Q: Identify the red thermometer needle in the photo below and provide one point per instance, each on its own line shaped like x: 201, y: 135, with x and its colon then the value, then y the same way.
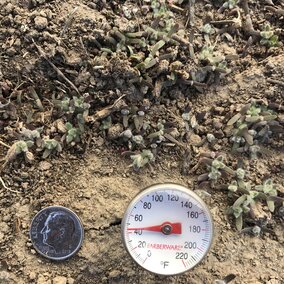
x: 166, y: 228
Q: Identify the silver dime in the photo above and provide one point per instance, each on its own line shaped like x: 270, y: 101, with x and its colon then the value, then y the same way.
x: 56, y: 232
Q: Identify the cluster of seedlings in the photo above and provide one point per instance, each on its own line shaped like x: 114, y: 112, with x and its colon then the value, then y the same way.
x: 136, y: 133
x: 249, y: 130
x: 66, y: 130
x: 251, y: 203
x: 164, y: 54
x: 252, y: 127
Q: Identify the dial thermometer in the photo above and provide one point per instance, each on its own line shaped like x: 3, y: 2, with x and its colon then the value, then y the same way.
x: 167, y: 229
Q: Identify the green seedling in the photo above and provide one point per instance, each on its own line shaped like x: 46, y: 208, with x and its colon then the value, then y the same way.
x: 106, y: 123
x: 77, y: 110
x: 75, y: 105
x: 186, y: 118
x: 248, y: 198
x: 268, y: 38
x: 138, y: 140
x: 208, y: 29
x: 19, y: 147
x: 73, y: 134
x: 230, y: 4
x: 216, y: 60
x: 255, y: 230
x: 50, y: 146
x: 217, y: 168
x: 158, y: 136
x: 22, y: 146
x: 31, y: 134
x: 239, y: 185
x: 243, y: 205
x: 126, y: 135
x: 269, y: 189
x: 141, y: 159
x: 80, y: 106
x: 139, y: 120
x: 64, y: 104
x: 160, y: 11
x: 190, y: 122
x: 253, y: 111
x: 157, y: 46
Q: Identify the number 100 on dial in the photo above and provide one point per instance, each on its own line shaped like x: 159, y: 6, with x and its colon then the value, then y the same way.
x: 167, y: 229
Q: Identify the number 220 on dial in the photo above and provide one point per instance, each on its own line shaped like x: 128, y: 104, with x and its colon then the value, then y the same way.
x: 167, y: 229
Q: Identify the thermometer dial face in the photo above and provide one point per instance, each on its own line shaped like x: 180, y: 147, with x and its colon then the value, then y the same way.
x: 167, y: 229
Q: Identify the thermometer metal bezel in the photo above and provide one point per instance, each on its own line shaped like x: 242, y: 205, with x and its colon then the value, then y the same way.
x: 163, y: 187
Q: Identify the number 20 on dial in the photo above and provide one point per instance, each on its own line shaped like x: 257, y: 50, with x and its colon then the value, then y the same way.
x: 167, y: 229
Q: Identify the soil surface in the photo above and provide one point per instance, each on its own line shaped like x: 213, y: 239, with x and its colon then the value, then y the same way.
x: 50, y: 50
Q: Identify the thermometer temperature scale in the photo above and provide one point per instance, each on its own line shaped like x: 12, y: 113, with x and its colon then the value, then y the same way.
x: 167, y: 229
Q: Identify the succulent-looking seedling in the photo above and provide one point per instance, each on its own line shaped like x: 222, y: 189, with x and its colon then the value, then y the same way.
x: 141, y: 159
x: 126, y: 134
x: 138, y: 139
x: 217, y: 167
x: 73, y: 133
x: 18, y: 148
x: 216, y: 60
x: 208, y: 29
x: 141, y: 116
x: 269, y: 190
x: 158, y: 135
x: 50, y: 146
x: 268, y: 38
x: 230, y: 4
x: 106, y: 123
x: 31, y: 134
x: 248, y: 198
x: 255, y: 230
x: 161, y: 11
x: 74, y: 106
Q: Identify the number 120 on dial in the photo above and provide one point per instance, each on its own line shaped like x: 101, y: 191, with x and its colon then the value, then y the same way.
x: 167, y: 229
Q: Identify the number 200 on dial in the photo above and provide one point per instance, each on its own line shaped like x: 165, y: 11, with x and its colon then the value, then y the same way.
x: 167, y: 229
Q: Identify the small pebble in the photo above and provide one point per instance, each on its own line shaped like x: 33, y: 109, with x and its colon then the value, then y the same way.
x: 44, y: 165
x: 195, y: 139
x: 59, y: 280
x: 70, y: 280
x: 114, y: 273
x: 32, y: 275
x: 40, y: 22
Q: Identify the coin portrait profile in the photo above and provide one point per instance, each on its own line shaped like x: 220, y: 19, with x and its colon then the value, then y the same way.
x: 58, y: 230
